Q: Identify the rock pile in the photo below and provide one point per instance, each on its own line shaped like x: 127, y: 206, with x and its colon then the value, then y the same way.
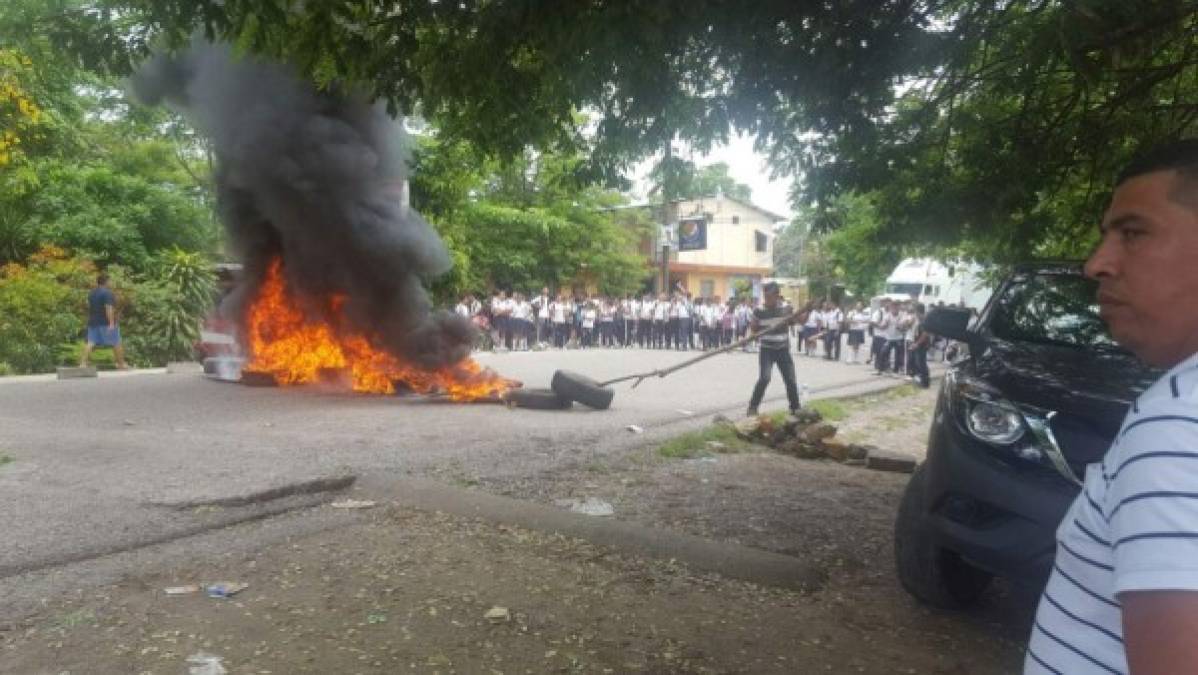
x: 808, y: 436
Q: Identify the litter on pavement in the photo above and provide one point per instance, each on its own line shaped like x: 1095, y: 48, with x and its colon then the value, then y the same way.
x: 202, y: 663
x: 225, y: 589
x: 592, y: 507
x: 353, y: 504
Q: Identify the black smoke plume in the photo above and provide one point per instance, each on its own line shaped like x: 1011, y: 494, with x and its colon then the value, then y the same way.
x: 317, y: 178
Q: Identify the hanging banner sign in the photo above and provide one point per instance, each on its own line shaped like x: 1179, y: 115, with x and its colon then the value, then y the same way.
x: 692, y: 234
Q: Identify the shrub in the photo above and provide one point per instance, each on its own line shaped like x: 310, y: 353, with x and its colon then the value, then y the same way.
x: 41, y: 306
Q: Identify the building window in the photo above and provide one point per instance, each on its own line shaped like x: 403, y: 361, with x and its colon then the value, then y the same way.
x: 762, y: 241
x: 707, y: 288
x: 736, y: 220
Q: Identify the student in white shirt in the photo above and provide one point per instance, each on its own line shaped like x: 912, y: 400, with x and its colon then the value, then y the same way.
x: 833, y: 318
x: 560, y: 312
x: 810, y: 330
x: 1123, y: 595
x: 661, y: 314
x: 588, y: 324
x: 858, y: 323
x: 644, y: 324
x: 892, y: 336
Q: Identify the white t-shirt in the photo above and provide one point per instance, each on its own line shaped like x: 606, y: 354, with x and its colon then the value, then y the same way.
x: 661, y: 311
x: 648, y: 309
x: 815, y: 319
x: 588, y: 318
x: 1134, y: 527
x: 559, y: 310
x: 684, y: 309
x: 832, y: 319
x: 858, y: 320
x: 521, y: 310
x: 462, y: 310
x: 891, y: 329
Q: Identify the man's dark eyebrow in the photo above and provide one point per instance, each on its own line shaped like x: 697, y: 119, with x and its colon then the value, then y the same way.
x: 1119, y: 222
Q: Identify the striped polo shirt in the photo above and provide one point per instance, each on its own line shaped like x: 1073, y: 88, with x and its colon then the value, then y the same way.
x: 772, y: 318
x: 1134, y: 527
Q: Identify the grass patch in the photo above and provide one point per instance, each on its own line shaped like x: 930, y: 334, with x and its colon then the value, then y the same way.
x: 5, y: 459
x: 694, y: 443
x: 831, y: 409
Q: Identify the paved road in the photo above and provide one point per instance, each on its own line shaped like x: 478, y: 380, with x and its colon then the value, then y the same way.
x: 103, y: 465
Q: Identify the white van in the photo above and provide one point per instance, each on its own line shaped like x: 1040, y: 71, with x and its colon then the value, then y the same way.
x: 933, y: 282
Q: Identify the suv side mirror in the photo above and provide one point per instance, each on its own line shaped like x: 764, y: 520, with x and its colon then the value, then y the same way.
x: 949, y: 322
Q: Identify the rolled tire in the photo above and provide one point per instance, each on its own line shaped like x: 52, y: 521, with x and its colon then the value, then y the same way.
x: 931, y: 573
x: 537, y: 399
x: 580, y: 388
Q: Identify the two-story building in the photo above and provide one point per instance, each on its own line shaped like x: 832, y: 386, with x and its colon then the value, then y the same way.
x: 717, y: 244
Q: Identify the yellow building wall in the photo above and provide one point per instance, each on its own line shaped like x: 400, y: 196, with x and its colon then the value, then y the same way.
x: 728, y: 243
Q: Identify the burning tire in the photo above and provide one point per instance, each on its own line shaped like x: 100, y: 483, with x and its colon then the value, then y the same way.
x: 577, y: 387
x: 538, y: 399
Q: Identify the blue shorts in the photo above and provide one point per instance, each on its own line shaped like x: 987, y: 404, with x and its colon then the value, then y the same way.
x: 103, y: 336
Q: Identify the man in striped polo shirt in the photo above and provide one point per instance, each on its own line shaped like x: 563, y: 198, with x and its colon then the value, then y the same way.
x: 776, y: 317
x: 1123, y: 596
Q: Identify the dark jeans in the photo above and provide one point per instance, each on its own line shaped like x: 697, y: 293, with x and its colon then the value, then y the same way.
x: 766, y: 359
x: 561, y: 334
x: 832, y: 345
x: 685, y: 334
x: 876, y: 345
x: 644, y: 333
x: 919, y: 366
x: 896, y: 347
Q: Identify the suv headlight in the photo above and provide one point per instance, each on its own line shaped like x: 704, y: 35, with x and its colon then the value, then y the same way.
x: 994, y: 423
x: 983, y: 412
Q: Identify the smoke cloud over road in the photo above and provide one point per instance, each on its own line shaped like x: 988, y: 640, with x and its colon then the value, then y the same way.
x: 317, y: 178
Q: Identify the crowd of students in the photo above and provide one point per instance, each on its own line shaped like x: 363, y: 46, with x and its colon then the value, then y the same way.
x: 518, y: 322
x: 894, y: 331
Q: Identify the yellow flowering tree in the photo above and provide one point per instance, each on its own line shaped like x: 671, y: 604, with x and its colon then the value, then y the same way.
x: 20, y: 115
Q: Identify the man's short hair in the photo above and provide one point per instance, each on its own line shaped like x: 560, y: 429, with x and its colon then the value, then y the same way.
x: 770, y: 287
x: 101, y: 279
x: 1180, y: 156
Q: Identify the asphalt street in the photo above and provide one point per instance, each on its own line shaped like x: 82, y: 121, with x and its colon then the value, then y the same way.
x: 107, y: 465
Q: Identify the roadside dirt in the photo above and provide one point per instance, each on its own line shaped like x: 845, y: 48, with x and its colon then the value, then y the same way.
x: 395, y: 590
x: 838, y: 517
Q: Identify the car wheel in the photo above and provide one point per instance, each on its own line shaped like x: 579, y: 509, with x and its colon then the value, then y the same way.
x: 934, y: 575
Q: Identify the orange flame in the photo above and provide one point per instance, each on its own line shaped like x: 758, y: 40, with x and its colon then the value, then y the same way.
x: 295, y: 350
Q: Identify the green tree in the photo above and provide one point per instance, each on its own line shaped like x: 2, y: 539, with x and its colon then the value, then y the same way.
x: 989, y: 126
x: 525, y: 223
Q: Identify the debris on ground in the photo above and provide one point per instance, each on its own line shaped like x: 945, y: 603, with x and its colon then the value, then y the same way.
x: 590, y: 506
x: 225, y: 589
x: 202, y: 663
x: 354, y: 504
x: 635, y: 429
x: 498, y: 615
x: 888, y: 460
x: 182, y: 590
x: 807, y: 435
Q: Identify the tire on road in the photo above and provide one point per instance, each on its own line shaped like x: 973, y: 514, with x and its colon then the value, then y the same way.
x: 538, y: 399
x: 932, y: 574
x: 580, y: 388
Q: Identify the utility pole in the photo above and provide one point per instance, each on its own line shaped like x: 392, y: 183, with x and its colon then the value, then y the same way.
x: 665, y: 211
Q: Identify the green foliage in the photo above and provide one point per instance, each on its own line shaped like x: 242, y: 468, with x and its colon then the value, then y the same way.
x: 681, y: 179
x: 162, y: 322
x: 984, y: 127
x: 524, y: 224
x: 41, y: 306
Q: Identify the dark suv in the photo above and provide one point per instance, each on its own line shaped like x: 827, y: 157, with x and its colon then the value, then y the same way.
x: 1040, y: 395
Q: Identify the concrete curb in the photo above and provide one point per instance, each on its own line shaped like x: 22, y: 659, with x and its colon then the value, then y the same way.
x: 730, y: 560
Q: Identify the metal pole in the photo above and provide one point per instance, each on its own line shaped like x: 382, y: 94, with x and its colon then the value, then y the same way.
x: 665, y: 267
